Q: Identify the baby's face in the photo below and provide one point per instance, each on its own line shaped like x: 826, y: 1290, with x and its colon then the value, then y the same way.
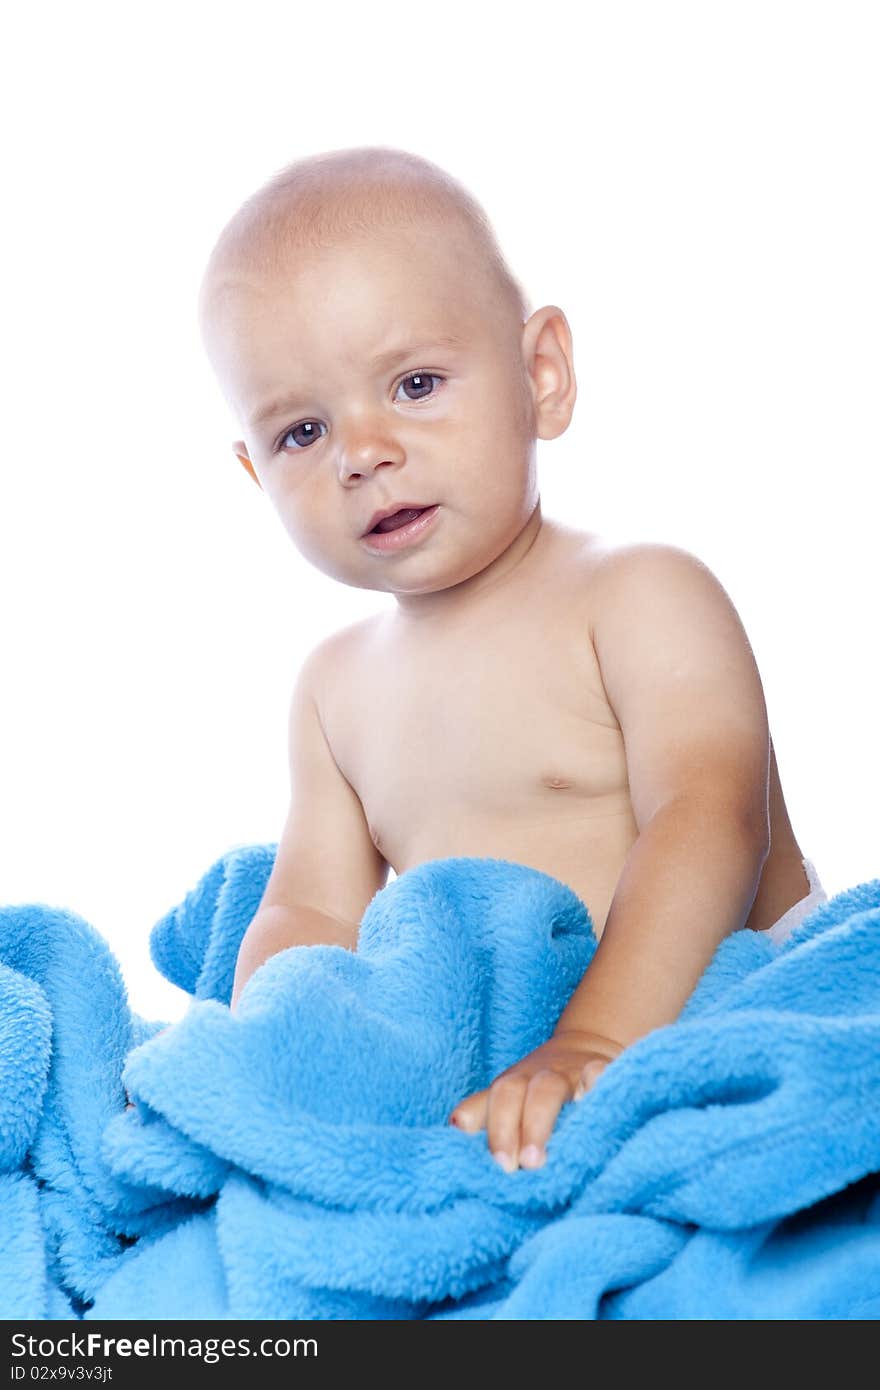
x: 376, y: 374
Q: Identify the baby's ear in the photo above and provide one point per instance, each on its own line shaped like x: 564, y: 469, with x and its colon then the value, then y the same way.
x: 547, y: 350
x: 241, y: 453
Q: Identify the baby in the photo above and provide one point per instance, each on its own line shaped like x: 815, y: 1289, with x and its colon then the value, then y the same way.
x: 537, y: 693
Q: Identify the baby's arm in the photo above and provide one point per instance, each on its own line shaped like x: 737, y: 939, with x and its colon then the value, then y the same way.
x: 681, y: 678
x: 327, y: 868
x: 679, y: 673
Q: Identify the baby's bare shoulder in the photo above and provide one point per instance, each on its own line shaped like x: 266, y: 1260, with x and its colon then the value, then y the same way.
x: 621, y: 567
x: 645, y: 592
x: 604, y: 567
x: 681, y: 678
x: 606, y: 552
x: 659, y: 609
x: 344, y: 640
x: 331, y: 658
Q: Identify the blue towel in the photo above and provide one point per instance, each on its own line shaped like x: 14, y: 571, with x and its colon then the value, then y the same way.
x: 294, y: 1160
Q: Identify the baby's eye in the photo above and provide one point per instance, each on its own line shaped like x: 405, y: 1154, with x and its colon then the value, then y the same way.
x: 420, y: 381
x: 308, y: 431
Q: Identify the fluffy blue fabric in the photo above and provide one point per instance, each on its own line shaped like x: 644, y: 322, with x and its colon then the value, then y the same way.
x: 294, y: 1160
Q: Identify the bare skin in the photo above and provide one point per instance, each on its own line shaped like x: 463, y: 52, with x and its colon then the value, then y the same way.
x: 497, y: 756
x: 537, y: 694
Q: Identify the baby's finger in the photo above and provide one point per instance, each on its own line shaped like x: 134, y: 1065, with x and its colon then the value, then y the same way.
x: 548, y: 1091
x: 506, y: 1096
x: 470, y: 1113
x: 589, y: 1076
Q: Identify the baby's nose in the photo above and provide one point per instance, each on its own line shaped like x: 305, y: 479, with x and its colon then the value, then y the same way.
x: 363, y: 455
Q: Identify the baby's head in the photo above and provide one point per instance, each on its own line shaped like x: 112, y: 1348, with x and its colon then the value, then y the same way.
x: 378, y: 353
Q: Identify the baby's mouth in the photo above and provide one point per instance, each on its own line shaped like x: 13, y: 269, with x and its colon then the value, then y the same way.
x: 392, y: 523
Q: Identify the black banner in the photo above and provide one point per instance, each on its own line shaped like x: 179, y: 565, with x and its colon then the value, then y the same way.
x: 257, y: 1353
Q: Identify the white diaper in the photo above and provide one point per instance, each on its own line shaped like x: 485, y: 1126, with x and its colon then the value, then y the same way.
x: 790, y: 919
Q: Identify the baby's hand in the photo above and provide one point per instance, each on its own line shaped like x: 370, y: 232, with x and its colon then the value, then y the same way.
x: 520, y: 1108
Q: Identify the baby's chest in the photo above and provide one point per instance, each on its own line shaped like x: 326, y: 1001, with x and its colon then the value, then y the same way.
x: 492, y: 728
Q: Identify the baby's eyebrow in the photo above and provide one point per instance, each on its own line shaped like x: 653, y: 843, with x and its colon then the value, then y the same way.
x: 382, y: 361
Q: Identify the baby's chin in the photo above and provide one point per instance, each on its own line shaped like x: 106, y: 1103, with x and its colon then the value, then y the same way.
x: 442, y: 559
x: 397, y: 575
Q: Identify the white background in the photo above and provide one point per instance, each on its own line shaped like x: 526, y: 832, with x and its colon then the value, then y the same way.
x: 694, y: 183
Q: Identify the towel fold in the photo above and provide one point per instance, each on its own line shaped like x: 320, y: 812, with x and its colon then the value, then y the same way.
x: 294, y: 1160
